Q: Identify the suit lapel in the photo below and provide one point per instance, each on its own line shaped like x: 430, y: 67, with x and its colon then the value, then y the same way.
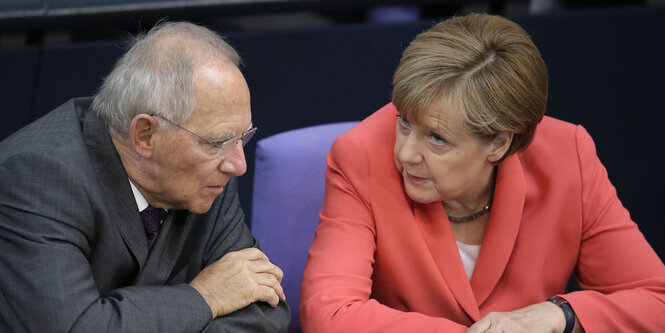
x: 501, y: 234
x: 440, y: 240
x: 497, y: 246
x: 120, y: 203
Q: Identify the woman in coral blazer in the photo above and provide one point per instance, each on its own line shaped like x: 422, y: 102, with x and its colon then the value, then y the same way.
x: 461, y: 205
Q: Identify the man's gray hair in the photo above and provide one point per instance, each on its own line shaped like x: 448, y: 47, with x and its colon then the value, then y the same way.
x: 156, y: 75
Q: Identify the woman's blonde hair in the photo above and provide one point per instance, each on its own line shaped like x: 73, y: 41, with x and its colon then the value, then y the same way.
x: 484, y: 66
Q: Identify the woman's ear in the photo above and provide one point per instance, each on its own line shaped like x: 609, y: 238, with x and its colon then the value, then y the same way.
x: 499, y: 146
x: 142, y: 132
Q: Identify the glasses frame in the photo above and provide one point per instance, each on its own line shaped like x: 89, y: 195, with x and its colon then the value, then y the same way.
x: 244, y: 137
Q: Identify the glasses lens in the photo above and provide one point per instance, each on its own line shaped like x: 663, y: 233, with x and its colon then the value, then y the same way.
x: 227, y: 147
x: 248, y: 135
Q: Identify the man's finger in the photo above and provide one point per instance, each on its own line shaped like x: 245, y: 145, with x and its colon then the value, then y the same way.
x: 266, y: 267
x: 252, y: 253
x: 268, y: 295
x: 271, y: 281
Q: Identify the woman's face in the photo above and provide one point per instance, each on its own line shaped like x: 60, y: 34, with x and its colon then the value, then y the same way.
x: 440, y: 159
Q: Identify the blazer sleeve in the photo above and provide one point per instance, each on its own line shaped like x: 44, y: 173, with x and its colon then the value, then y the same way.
x: 46, y: 282
x: 233, y: 235
x: 337, y: 281
x: 623, y: 278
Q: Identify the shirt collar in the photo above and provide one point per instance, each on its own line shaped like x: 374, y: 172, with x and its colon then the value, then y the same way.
x: 141, y: 202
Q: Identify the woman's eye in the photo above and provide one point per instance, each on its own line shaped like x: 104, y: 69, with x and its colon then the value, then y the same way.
x: 436, y: 139
x: 404, y: 123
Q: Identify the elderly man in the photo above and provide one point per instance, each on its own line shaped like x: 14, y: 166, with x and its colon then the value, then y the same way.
x: 121, y: 213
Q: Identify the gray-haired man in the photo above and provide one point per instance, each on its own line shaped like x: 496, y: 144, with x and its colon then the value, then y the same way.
x: 164, y: 136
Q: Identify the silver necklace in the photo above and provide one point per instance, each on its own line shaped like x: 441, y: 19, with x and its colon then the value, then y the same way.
x: 472, y: 216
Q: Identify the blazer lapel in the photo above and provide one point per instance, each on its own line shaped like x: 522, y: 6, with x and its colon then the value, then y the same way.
x: 440, y: 240
x: 167, y: 248
x: 119, y: 200
x: 501, y: 234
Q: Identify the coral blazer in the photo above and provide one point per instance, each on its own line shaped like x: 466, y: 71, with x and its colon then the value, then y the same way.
x: 383, y: 263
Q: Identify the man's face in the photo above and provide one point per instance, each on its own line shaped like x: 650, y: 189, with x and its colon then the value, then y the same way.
x: 187, y: 172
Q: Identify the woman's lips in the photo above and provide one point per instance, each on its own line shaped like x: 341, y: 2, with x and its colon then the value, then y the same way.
x: 415, y: 179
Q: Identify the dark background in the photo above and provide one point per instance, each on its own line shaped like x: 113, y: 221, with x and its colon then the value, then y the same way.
x: 314, y: 62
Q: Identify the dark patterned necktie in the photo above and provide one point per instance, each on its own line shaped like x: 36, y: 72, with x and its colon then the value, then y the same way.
x: 152, y: 218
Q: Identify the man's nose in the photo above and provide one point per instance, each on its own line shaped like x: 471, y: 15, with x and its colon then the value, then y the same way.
x: 233, y: 160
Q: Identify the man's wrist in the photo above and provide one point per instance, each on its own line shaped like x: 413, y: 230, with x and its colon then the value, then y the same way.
x: 208, y: 300
x: 567, y: 312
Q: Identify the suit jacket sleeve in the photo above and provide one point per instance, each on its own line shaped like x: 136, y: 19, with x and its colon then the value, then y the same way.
x: 337, y: 282
x: 624, y: 276
x: 233, y: 236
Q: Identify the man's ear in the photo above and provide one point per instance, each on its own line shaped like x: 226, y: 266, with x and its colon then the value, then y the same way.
x: 142, y: 132
x: 499, y: 146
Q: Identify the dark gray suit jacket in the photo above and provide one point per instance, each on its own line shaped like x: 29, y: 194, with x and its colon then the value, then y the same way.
x: 73, y: 253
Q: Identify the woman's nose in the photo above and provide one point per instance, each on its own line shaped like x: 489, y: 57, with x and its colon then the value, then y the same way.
x: 409, y: 151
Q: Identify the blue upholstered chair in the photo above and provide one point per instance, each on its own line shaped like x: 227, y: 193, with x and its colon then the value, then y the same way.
x: 289, y: 181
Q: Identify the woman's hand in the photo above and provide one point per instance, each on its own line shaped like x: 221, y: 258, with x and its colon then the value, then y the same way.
x: 540, y: 317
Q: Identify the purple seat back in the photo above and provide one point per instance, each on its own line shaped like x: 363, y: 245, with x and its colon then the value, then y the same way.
x: 289, y: 181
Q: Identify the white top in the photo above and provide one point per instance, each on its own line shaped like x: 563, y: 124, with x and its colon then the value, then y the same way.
x: 141, y: 202
x: 469, y: 254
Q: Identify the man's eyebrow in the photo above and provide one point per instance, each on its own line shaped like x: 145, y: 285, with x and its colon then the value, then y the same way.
x: 222, y: 137
x: 228, y: 135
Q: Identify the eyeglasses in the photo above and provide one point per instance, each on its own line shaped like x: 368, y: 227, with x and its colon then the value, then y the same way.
x: 221, y: 148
